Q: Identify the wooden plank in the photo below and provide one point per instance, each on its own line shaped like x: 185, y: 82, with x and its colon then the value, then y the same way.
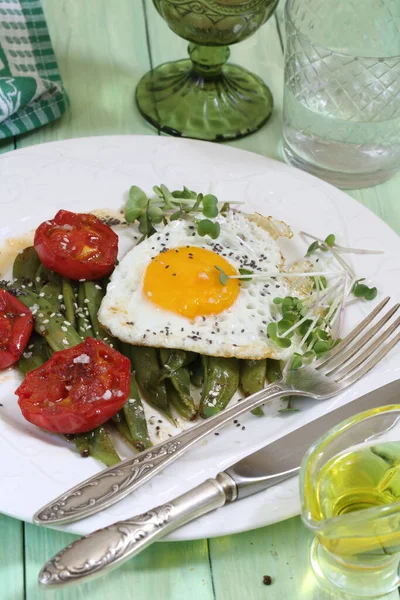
x: 383, y: 200
x: 261, y: 54
x: 102, y: 52
x: 239, y: 563
x: 165, y: 570
x: 11, y: 559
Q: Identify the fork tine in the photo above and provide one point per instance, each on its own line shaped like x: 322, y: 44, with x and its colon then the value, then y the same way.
x: 348, y: 368
x: 347, y: 381
x: 353, y: 334
x: 343, y: 357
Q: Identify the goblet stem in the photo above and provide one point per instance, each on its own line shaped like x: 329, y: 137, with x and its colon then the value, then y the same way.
x: 204, y: 97
x: 208, y: 60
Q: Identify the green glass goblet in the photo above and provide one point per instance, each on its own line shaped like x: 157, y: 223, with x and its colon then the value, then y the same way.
x: 203, y: 97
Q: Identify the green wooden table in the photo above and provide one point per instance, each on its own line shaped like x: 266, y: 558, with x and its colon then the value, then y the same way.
x: 103, y: 48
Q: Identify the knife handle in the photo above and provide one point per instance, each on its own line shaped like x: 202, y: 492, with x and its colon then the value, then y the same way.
x: 111, y: 485
x: 107, y: 548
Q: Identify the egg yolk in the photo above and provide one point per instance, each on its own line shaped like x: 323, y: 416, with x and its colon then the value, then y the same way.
x: 185, y: 281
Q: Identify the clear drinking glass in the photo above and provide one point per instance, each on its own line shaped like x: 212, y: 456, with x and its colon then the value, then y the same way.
x: 350, y: 488
x: 342, y: 89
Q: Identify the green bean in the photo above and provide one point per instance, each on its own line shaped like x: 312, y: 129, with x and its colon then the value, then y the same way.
x: 35, y: 355
x: 197, y: 372
x: 52, y: 293
x: 147, y: 370
x: 85, y: 328
x: 131, y: 420
x: 172, y: 360
x: 26, y: 265
x: 44, y: 275
x: 274, y: 370
x: 252, y: 379
x: 95, y: 294
x: 69, y: 300
x: 49, y: 323
x: 178, y: 389
x: 96, y: 443
x: 221, y: 380
x: 174, y: 368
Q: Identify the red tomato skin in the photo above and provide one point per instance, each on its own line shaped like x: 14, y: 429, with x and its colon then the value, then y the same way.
x: 58, y: 254
x: 45, y: 401
x: 15, y: 330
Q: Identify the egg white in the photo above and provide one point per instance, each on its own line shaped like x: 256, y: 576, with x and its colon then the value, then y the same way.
x: 239, y: 331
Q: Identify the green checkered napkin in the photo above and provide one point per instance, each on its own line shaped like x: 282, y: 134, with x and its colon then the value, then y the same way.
x: 31, y: 91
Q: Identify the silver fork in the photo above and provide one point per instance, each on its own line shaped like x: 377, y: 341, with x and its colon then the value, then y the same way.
x: 350, y: 360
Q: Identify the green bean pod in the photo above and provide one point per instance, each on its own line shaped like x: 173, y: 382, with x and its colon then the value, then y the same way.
x: 84, y: 325
x: 221, y: 380
x: 196, y: 371
x: 69, y: 300
x: 172, y: 360
x: 274, y: 370
x: 147, y: 370
x: 44, y: 275
x: 96, y: 443
x: 49, y: 323
x: 35, y: 355
x: 26, y: 265
x: 131, y: 420
x: 95, y: 294
x: 52, y: 293
x: 252, y: 379
x: 178, y: 389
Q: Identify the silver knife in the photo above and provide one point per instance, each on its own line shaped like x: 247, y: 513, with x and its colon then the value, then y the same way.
x: 108, y: 548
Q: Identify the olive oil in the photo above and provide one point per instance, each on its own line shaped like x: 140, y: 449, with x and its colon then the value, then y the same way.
x: 363, y: 477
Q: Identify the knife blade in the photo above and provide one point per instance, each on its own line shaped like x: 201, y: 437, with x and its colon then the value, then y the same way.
x: 281, y: 459
x: 108, y: 548
x: 114, y: 483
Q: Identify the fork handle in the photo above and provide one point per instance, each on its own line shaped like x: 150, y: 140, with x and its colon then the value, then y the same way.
x: 107, y: 548
x: 111, y: 485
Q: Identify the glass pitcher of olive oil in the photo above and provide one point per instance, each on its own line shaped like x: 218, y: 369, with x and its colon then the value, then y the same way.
x: 350, y: 487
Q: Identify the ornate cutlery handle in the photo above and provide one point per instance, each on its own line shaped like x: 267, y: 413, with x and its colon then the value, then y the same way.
x: 110, y: 485
x: 108, y: 548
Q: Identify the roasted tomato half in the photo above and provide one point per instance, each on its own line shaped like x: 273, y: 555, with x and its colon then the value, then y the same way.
x: 78, y: 246
x: 77, y: 389
x: 16, y: 324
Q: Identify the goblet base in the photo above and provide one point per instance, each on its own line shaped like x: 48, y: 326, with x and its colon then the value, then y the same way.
x: 180, y: 101
x: 378, y: 576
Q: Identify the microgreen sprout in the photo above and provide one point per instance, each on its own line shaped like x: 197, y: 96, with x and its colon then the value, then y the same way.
x: 319, y: 244
x: 207, y: 227
x: 210, y: 206
x: 175, y: 205
x: 299, y: 327
x: 247, y: 274
x: 329, y: 242
x: 360, y: 290
x: 223, y: 277
x: 225, y: 209
x: 320, y: 282
x: 281, y: 342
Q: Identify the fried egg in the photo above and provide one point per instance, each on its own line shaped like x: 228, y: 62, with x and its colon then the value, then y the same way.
x: 167, y: 291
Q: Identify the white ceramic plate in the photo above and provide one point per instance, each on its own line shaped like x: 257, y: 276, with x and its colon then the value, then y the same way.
x: 90, y: 173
